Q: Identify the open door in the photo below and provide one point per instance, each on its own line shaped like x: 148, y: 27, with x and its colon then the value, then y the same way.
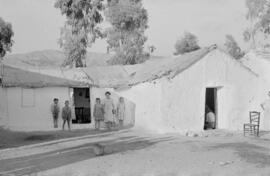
x: 210, y: 121
x: 82, y: 106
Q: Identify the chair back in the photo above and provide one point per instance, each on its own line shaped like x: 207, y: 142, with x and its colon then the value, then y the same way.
x: 254, y: 117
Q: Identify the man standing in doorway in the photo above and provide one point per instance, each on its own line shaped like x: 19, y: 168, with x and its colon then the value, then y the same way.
x: 55, y: 109
x: 210, y: 118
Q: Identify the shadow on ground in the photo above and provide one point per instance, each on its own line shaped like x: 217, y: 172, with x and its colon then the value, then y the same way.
x: 10, y: 139
x: 251, y: 153
x: 50, y: 160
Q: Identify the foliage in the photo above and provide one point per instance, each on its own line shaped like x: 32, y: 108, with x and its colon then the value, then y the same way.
x: 259, y: 17
x: 74, y: 47
x: 81, y: 27
x: 126, y: 37
x: 232, y: 47
x: 129, y: 54
x: 6, y: 34
x: 187, y: 43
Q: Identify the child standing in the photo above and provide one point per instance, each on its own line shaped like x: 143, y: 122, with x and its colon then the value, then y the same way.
x: 66, y: 114
x: 108, y: 110
x: 98, y: 113
x: 55, y: 109
x: 121, y: 110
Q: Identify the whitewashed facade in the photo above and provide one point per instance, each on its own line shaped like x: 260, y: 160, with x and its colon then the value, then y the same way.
x: 178, y: 104
x: 167, y: 96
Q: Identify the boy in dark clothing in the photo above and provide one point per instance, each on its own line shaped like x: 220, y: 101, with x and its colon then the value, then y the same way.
x: 66, y: 115
x: 98, y: 113
x: 55, y: 109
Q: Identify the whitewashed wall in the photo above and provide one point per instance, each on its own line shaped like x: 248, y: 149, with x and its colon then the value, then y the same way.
x: 261, y: 66
x: 32, y: 111
x: 3, y: 107
x: 239, y: 89
x: 146, y: 97
x: 178, y: 105
x: 36, y: 117
x: 175, y: 105
x: 183, y: 100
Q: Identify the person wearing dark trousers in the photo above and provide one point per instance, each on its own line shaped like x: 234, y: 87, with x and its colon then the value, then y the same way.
x: 66, y: 115
x: 98, y: 114
x: 55, y: 109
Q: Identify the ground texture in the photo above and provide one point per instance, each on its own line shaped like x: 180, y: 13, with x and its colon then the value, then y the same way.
x: 11, y: 139
x: 135, y: 153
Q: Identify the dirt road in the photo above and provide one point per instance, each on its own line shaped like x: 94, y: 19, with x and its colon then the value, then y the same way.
x: 134, y: 153
x: 49, y: 160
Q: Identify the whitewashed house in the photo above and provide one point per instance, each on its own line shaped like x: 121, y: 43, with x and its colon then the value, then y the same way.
x: 26, y: 96
x: 164, y: 95
x: 170, y: 95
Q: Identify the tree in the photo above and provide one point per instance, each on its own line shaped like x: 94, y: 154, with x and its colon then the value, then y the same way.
x: 259, y: 17
x: 126, y: 37
x: 6, y: 34
x: 187, y: 43
x: 80, y: 29
x: 232, y: 47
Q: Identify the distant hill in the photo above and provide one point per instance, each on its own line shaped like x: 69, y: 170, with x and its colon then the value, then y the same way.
x: 51, y: 58
x: 54, y: 58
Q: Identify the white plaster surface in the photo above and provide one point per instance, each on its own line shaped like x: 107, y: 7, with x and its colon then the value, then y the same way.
x: 177, y: 105
x: 37, y: 117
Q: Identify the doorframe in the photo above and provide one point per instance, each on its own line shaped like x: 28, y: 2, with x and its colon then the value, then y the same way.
x: 216, y: 107
x: 216, y: 101
x: 72, y: 99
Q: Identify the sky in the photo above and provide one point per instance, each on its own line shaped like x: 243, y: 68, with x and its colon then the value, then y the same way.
x: 36, y: 23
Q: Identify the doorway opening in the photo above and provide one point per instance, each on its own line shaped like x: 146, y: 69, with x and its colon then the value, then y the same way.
x: 82, y: 105
x: 210, y: 121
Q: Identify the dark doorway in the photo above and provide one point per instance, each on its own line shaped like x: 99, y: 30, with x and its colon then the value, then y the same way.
x: 210, y: 121
x: 82, y: 105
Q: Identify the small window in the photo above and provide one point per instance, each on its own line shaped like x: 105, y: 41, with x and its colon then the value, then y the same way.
x: 28, y: 97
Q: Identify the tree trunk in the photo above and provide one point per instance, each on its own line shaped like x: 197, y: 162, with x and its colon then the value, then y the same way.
x: 1, y: 70
x: 79, y: 63
x: 253, y: 44
x: 253, y: 32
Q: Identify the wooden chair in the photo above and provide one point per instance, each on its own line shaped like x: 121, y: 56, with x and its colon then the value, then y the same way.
x: 253, y: 126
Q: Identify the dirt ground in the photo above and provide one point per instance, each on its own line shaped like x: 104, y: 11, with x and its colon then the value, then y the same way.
x: 11, y: 139
x: 137, y: 153
x: 216, y: 153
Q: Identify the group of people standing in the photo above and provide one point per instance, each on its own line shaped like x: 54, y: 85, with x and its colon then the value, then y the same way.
x: 104, y: 111
x: 66, y: 113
